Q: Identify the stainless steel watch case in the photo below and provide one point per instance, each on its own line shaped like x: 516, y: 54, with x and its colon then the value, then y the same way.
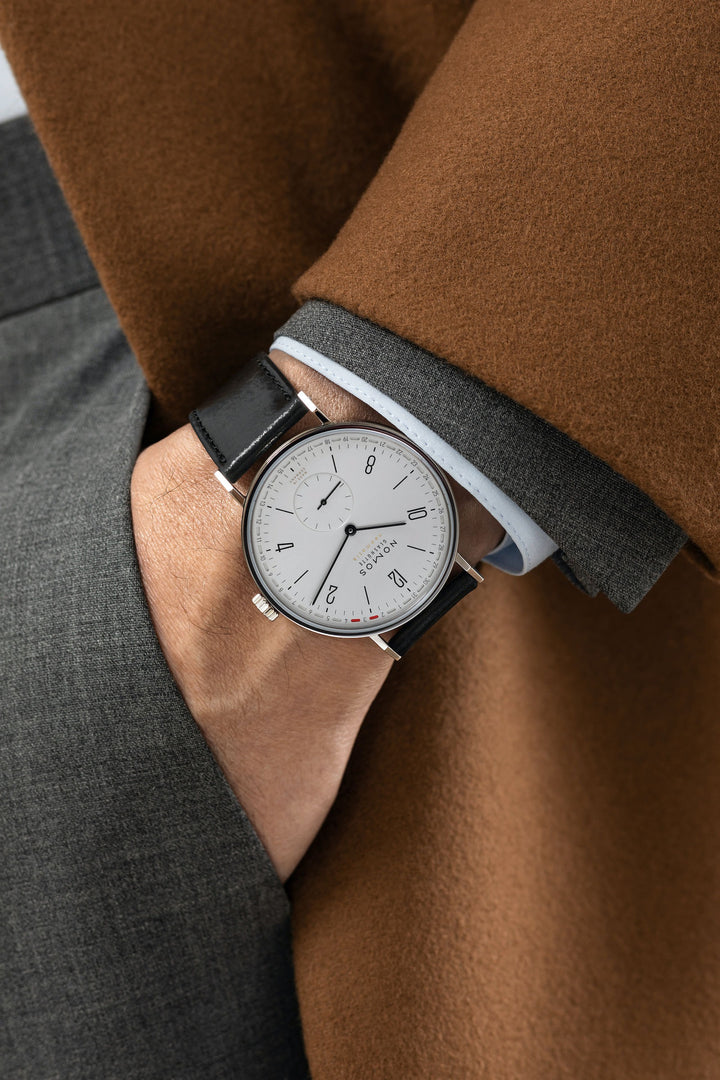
x: 272, y: 607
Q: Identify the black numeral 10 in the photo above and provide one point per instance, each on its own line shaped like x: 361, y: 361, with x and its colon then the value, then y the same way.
x: 418, y: 512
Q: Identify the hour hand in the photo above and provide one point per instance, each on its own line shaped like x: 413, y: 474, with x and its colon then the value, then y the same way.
x: 384, y: 525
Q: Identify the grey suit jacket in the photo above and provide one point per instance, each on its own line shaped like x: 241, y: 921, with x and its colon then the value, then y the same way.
x: 143, y: 930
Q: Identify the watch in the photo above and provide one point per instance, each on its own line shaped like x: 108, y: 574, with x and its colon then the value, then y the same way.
x: 348, y: 529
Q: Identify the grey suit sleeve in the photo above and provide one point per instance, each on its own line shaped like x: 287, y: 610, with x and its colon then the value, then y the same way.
x: 611, y: 536
x: 143, y: 930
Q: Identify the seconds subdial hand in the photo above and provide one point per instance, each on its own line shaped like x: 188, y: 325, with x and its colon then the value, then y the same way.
x: 324, y: 501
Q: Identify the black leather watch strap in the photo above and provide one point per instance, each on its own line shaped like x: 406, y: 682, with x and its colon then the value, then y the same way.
x: 452, y: 591
x: 246, y: 416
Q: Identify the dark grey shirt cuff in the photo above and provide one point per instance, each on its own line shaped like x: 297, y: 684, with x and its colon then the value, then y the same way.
x: 612, y: 538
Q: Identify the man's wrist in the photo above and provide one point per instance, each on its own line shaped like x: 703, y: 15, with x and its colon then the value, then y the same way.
x: 279, y: 707
x: 336, y: 402
x: 207, y: 519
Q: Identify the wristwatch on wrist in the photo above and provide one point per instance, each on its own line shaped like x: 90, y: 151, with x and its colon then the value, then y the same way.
x: 348, y: 529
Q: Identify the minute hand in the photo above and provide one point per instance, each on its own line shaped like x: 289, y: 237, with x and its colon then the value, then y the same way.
x: 347, y: 537
x: 386, y: 525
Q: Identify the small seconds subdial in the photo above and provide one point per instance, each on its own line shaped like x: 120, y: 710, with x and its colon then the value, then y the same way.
x: 323, y: 501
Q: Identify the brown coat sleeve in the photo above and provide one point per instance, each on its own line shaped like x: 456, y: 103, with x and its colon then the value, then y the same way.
x: 546, y: 217
x: 211, y: 152
x: 548, y: 220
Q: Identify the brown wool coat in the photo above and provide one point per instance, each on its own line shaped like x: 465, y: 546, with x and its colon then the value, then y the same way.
x: 521, y: 877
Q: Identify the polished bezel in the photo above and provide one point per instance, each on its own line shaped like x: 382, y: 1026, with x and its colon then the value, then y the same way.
x: 270, y: 593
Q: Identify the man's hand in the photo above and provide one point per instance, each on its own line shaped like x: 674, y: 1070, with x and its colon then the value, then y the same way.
x: 253, y: 686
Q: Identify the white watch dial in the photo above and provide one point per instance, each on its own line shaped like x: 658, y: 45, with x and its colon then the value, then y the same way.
x: 349, y: 530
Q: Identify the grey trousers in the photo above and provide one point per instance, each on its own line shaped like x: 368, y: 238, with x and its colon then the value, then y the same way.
x: 144, y: 932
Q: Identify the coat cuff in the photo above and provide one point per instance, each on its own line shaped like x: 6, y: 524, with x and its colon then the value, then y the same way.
x: 611, y: 536
x: 530, y: 545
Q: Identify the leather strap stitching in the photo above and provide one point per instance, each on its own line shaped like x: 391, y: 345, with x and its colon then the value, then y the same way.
x: 271, y: 375
x: 196, y: 421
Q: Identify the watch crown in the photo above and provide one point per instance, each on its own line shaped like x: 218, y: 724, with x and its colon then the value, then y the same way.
x: 263, y: 605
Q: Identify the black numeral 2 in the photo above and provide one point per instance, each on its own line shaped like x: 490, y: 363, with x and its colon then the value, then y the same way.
x: 396, y: 577
x: 330, y: 599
